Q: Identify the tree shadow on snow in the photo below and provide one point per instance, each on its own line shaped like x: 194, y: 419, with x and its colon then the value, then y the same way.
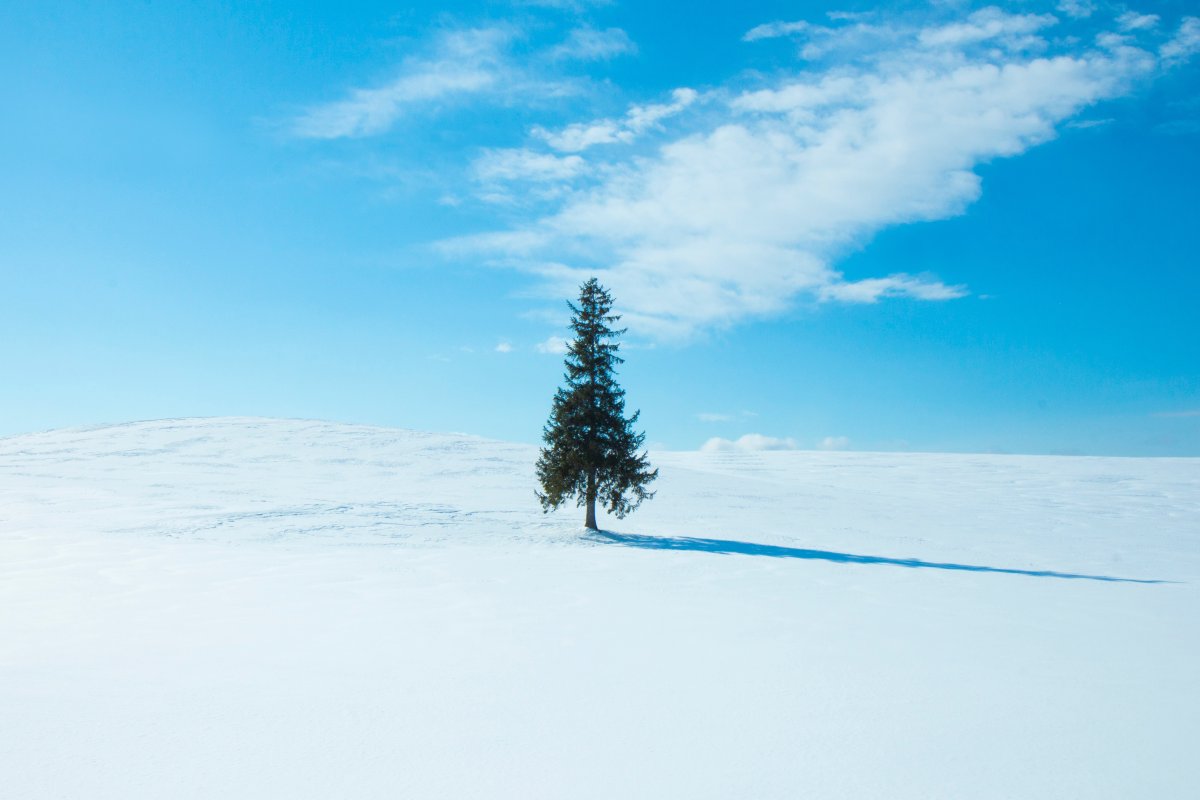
x: 727, y: 547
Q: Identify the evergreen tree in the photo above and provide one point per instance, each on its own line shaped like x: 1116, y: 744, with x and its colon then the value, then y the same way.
x: 591, y: 448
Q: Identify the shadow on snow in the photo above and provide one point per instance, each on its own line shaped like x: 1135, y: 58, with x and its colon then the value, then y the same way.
x: 727, y: 547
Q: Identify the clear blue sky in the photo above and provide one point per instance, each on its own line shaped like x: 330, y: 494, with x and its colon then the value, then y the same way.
x: 931, y: 227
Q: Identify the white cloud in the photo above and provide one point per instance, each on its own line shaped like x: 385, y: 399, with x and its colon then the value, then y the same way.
x: 581, y: 135
x: 833, y: 443
x: 500, y: 166
x: 591, y: 44
x: 1184, y: 44
x: 1079, y: 9
x: 455, y: 64
x: 817, y: 41
x: 371, y: 111
x: 749, y: 442
x: 870, y: 290
x: 1133, y: 21
x: 988, y: 24
x: 637, y: 120
x: 504, y: 347
x: 555, y: 345
x: 461, y: 62
x: 774, y: 30
x: 751, y: 204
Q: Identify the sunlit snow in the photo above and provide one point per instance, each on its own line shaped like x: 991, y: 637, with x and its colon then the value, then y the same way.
x: 267, y: 608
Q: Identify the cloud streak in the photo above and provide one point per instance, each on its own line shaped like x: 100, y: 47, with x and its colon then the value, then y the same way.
x: 460, y: 62
x: 456, y: 64
x: 871, y: 290
x: 592, y: 44
x: 775, y: 30
x: 637, y: 121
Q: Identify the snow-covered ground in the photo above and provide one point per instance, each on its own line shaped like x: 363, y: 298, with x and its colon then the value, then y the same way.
x: 264, y: 608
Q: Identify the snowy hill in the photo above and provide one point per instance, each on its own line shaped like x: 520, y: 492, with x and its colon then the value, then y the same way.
x: 275, y: 608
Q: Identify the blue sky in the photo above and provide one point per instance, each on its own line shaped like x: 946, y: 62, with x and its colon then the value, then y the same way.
x: 943, y: 226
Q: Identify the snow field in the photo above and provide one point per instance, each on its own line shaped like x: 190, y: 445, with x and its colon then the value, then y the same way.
x: 270, y: 608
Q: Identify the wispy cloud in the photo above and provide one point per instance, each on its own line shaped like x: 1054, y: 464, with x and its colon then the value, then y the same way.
x: 524, y: 164
x: 504, y: 347
x: 1133, y: 21
x: 639, y: 119
x: 1184, y: 44
x: 495, y: 171
x: 555, y: 345
x: 833, y: 443
x: 870, y: 290
x: 460, y: 63
x: 736, y: 212
x: 592, y: 44
x: 774, y: 30
x: 1079, y: 9
x: 1013, y: 31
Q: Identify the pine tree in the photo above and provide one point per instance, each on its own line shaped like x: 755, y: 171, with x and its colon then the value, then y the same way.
x: 591, y: 448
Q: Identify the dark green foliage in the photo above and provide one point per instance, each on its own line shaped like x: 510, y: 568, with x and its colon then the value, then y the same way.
x: 591, y: 448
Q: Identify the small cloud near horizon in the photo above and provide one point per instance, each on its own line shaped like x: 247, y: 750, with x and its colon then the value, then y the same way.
x: 751, y: 442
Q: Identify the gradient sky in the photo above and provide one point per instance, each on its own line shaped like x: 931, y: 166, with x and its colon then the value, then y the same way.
x: 943, y: 226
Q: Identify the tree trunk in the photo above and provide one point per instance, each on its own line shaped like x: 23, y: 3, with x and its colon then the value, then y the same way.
x: 590, y: 522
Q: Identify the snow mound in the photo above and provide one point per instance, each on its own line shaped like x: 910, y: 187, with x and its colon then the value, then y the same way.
x: 267, y: 479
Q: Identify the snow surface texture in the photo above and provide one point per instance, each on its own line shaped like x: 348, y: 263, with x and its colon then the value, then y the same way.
x: 259, y: 608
